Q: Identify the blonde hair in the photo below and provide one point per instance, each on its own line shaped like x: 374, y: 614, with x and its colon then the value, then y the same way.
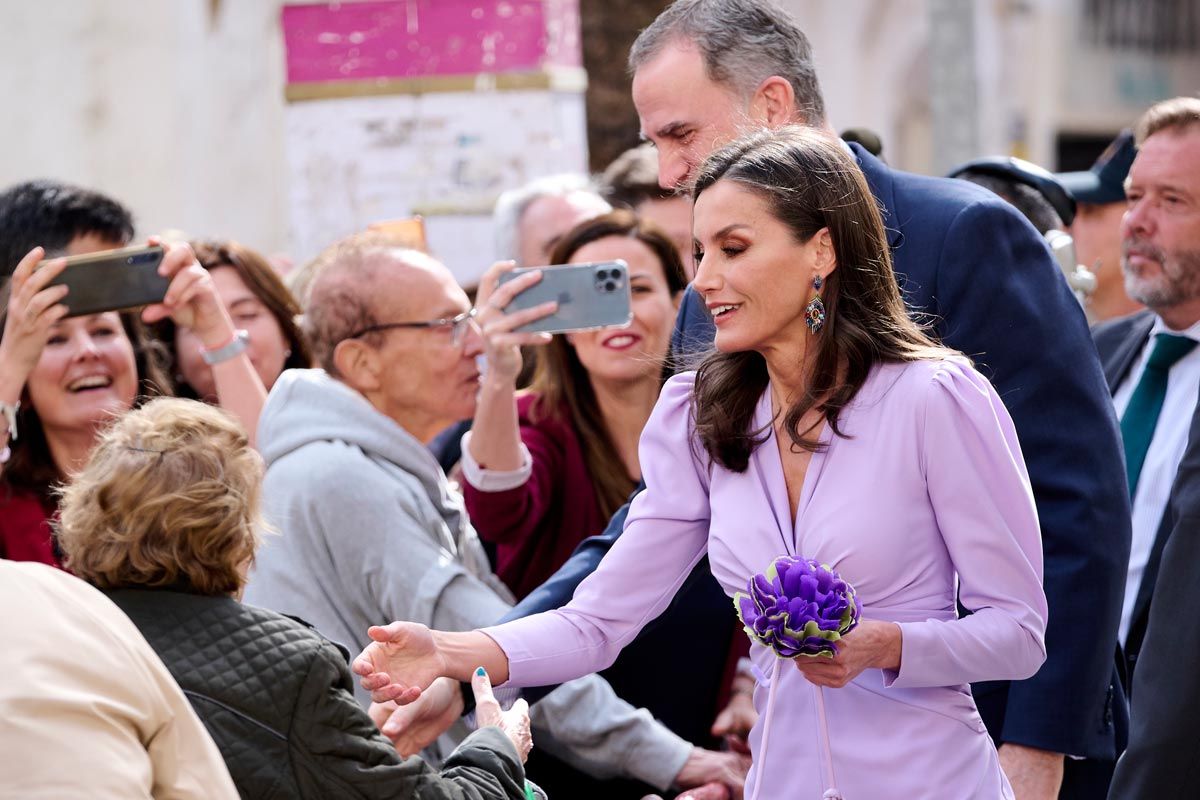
x: 170, y: 496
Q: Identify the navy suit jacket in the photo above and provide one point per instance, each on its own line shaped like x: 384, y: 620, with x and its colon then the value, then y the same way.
x: 978, y: 273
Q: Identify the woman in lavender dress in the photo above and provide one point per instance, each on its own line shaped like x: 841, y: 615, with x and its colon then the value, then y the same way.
x: 832, y: 429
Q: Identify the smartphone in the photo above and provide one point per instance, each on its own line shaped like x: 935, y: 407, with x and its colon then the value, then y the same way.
x: 112, y: 280
x: 594, y: 295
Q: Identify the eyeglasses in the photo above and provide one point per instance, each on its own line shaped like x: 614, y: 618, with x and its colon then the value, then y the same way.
x: 458, y: 326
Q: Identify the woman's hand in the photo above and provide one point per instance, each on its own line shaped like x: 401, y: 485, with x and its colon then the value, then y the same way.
x: 514, y: 722
x: 501, y: 344
x: 32, y: 311
x: 191, y: 300
x: 413, y: 727
x: 872, y: 645
x: 402, y: 661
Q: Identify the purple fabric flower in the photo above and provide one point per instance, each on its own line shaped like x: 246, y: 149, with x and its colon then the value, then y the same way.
x: 798, y: 607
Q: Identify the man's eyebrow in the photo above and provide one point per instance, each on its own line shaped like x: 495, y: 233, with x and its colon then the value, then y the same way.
x: 671, y: 130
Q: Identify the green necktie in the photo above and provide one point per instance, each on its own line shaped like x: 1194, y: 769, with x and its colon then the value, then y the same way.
x: 1146, y: 402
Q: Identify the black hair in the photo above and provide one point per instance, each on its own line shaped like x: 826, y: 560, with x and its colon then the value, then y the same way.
x: 51, y: 214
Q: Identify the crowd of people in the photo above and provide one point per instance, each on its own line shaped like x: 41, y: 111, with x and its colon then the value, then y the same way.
x: 282, y: 534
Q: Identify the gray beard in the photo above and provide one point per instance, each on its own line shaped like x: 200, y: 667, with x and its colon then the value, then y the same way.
x: 1179, y: 281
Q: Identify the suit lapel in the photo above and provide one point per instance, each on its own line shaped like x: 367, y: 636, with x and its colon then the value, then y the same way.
x: 1118, y: 363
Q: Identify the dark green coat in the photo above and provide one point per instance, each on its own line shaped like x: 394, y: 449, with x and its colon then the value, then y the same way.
x: 276, y: 696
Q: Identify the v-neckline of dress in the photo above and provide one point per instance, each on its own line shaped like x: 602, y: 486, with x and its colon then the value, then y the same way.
x: 770, y: 466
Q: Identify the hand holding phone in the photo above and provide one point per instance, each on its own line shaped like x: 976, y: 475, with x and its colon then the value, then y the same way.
x: 34, y: 306
x: 588, y: 296
x: 191, y: 299
x: 502, y: 342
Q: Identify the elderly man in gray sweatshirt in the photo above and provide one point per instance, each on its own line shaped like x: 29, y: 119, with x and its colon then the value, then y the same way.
x: 370, y: 529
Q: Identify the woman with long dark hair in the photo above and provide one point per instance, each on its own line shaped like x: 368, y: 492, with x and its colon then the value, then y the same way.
x: 546, y: 468
x: 828, y: 427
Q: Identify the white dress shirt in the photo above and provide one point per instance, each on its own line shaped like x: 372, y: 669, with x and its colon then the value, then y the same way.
x: 1163, y: 457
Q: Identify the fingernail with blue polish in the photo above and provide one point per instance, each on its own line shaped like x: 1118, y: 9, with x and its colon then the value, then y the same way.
x: 481, y: 672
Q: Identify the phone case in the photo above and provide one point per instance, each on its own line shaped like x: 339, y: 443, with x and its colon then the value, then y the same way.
x: 113, y: 280
x: 589, y: 296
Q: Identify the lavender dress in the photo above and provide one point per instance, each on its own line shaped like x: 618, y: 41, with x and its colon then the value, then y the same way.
x: 928, y: 494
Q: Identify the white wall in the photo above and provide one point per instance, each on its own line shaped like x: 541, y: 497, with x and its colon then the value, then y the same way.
x: 176, y: 106
x: 175, y: 111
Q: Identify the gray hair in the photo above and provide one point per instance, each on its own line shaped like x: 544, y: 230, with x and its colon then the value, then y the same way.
x: 511, y: 206
x: 742, y: 42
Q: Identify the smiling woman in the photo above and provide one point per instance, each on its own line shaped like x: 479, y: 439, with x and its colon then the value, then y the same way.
x: 63, y: 380
x: 259, y: 303
x: 547, y: 468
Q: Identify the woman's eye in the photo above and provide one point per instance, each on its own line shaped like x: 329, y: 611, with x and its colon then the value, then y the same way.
x: 730, y: 252
x: 246, y: 316
x: 57, y: 338
x: 103, y: 332
x: 697, y: 256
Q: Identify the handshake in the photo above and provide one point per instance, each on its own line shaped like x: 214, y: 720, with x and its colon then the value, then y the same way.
x: 413, y: 676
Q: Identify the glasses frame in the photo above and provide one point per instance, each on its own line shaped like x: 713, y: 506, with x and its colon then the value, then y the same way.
x: 458, y: 326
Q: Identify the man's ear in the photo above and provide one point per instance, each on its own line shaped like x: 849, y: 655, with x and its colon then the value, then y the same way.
x: 774, y: 103
x: 359, y: 364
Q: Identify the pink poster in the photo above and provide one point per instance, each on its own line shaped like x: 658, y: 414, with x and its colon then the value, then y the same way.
x: 353, y: 41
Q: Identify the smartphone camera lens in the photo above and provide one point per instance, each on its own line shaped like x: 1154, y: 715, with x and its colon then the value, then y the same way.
x: 610, y: 286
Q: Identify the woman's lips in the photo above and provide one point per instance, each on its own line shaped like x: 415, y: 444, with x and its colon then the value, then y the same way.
x: 621, y: 341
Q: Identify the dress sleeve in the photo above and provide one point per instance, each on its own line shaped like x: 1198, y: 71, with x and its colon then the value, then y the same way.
x: 984, y: 508
x: 666, y: 535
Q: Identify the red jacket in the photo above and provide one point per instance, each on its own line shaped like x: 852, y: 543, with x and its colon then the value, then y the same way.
x: 536, y: 526
x: 25, y: 527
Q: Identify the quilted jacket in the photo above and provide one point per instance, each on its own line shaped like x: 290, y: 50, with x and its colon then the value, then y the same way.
x: 276, y: 697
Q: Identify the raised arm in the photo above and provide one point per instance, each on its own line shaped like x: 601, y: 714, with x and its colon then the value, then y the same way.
x: 192, y: 302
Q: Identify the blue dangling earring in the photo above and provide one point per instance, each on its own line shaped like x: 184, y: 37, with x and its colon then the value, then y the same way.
x: 814, y: 312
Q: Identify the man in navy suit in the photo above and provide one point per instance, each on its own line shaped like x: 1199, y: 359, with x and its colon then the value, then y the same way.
x: 970, y: 265
x: 1152, y: 363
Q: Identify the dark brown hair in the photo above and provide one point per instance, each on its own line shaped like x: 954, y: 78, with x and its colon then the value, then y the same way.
x: 264, y: 283
x: 809, y: 182
x: 31, y: 466
x: 559, y: 377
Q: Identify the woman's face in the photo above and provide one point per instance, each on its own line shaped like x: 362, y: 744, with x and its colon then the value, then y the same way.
x: 754, y: 276
x: 268, y: 347
x: 637, y: 351
x: 85, y: 376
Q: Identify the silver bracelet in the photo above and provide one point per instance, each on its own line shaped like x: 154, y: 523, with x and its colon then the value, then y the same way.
x: 241, y: 339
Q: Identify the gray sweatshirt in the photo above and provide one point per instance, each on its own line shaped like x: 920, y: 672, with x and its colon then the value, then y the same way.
x: 370, y: 531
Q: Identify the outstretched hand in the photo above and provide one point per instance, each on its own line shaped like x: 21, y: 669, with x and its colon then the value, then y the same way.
x: 402, y: 661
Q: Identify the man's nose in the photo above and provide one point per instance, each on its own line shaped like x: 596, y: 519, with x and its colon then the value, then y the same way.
x: 472, y: 342
x: 1138, y: 219
x: 672, y: 170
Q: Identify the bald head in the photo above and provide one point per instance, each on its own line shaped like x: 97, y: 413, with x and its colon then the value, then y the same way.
x: 362, y: 283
